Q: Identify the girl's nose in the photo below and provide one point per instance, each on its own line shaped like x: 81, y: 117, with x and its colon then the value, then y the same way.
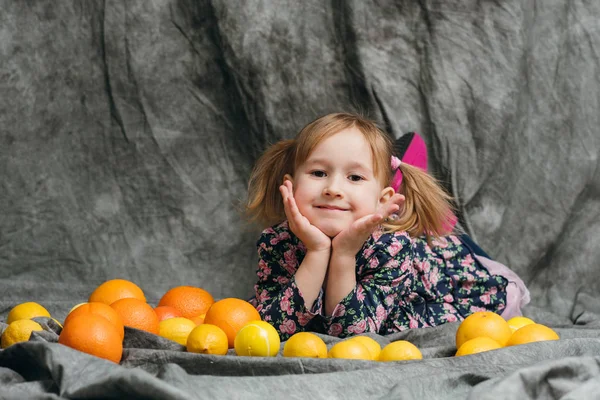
x: 332, y: 191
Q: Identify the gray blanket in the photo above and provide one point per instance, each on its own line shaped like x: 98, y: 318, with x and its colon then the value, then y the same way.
x: 128, y: 130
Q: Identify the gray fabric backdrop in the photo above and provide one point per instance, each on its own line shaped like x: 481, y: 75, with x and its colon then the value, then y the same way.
x: 128, y: 130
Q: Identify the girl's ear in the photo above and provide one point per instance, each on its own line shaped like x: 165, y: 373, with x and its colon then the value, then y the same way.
x: 386, y: 194
x: 287, y: 177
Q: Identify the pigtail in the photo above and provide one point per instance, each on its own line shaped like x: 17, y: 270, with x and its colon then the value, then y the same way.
x: 427, y: 209
x: 265, y: 205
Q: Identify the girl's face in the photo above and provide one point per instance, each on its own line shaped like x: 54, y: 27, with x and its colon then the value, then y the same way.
x: 336, y: 185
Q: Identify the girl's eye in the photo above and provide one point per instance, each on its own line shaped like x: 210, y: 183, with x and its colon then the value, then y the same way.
x: 355, y: 178
x: 318, y: 174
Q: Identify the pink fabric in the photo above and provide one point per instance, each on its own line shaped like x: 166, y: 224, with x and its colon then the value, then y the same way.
x: 517, y: 295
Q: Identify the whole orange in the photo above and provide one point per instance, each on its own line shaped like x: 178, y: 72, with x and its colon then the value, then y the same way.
x: 138, y: 314
x: 483, y: 323
x: 93, y: 334
x: 166, y: 312
x: 532, y: 333
x: 231, y: 315
x: 102, y: 310
x: 116, y: 289
x: 190, y: 301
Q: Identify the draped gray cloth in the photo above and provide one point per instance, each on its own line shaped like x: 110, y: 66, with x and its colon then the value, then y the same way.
x: 128, y: 130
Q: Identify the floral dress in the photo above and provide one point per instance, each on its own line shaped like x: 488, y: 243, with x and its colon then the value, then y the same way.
x: 402, y: 283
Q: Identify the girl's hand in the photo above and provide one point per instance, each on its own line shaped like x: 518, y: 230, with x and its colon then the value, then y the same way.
x: 350, y: 240
x: 312, y: 237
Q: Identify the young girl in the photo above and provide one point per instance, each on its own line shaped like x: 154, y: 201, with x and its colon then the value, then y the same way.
x: 360, y: 241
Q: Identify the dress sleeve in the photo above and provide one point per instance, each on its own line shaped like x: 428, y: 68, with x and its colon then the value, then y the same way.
x: 384, y: 277
x: 279, y: 301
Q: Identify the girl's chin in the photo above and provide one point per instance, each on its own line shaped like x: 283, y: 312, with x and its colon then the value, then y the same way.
x: 331, y: 231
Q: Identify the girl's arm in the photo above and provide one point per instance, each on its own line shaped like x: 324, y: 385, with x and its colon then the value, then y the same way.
x: 384, y: 284
x: 280, y: 299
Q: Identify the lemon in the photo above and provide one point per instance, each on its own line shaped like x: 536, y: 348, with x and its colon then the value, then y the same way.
x: 532, y: 333
x: 207, y: 339
x: 371, y: 345
x: 26, y: 311
x: 305, y: 344
x: 18, y: 331
x: 351, y: 350
x: 477, y: 345
x: 257, y: 339
x: 518, y: 322
x: 400, y: 350
x: 176, y: 329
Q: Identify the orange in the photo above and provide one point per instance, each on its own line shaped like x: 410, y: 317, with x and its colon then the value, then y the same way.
x: 400, y: 350
x: 305, y: 344
x: 138, y: 314
x: 207, y: 339
x: 102, y: 310
x: 188, y: 300
x: 518, y: 322
x: 532, y: 333
x: 93, y: 334
x: 349, y: 349
x: 199, y: 319
x: 483, y: 323
x: 166, y: 312
x: 477, y: 345
x: 231, y: 315
x: 26, y: 311
x: 116, y: 289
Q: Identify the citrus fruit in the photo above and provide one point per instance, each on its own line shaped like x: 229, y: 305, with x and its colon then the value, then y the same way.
x: 532, y: 333
x: 207, y: 339
x: 138, y: 314
x: 257, y: 339
x: 116, y: 289
x: 26, y: 311
x: 305, y: 344
x: 349, y: 349
x: 75, y: 306
x: 231, y: 315
x: 371, y: 344
x: 199, y: 319
x: 400, y: 350
x: 92, y: 334
x: 18, y: 331
x: 483, y: 323
x: 166, y: 312
x: 176, y: 329
x: 477, y: 345
x: 518, y: 322
x: 188, y: 300
x: 102, y: 310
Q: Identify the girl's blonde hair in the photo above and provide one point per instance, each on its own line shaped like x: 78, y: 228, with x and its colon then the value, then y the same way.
x: 427, y: 208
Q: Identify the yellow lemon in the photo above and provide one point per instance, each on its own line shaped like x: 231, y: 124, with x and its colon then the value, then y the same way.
x: 483, y: 323
x: 257, y: 339
x: 518, y: 322
x: 26, y: 311
x: 350, y: 349
x: 305, y: 344
x: 176, y: 329
x: 477, y: 345
x: 400, y: 350
x: 207, y: 339
x: 18, y: 331
x: 532, y: 333
x: 371, y: 344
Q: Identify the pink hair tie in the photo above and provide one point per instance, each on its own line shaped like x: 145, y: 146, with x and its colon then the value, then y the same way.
x: 397, y: 178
